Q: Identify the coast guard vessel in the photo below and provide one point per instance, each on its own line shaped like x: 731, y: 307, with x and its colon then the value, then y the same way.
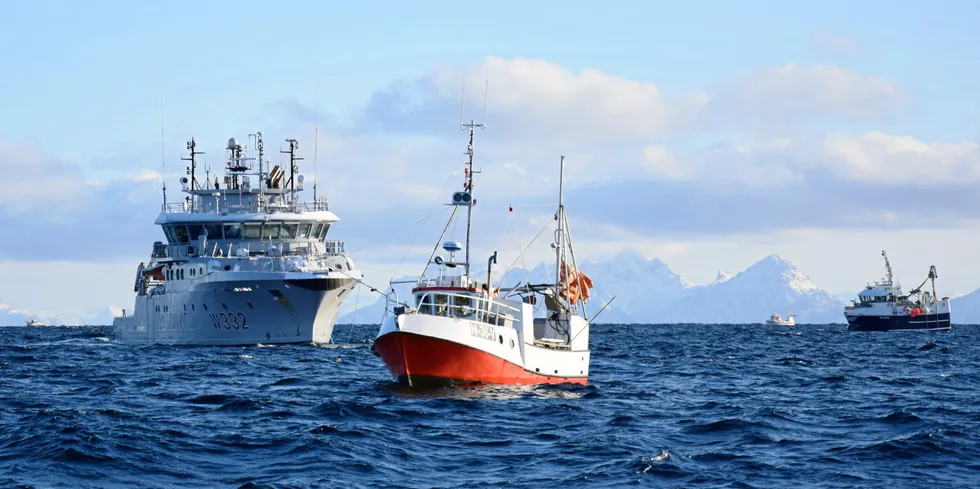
x: 459, y: 329
x: 883, y: 307
x: 245, y: 261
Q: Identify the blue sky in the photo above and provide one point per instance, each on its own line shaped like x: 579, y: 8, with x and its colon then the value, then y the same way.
x: 823, y: 131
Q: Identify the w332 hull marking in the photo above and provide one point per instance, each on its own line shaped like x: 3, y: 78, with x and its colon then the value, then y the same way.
x: 229, y: 320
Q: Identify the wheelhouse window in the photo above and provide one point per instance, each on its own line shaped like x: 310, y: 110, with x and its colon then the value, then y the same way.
x: 195, y: 231
x: 233, y: 230
x: 323, y: 232
x: 253, y: 231
x: 181, y: 231
x: 315, y: 233
x: 441, y: 305
x: 213, y: 231
x: 288, y: 231
x: 462, y: 306
x: 303, y: 231
x: 270, y: 231
x: 168, y: 230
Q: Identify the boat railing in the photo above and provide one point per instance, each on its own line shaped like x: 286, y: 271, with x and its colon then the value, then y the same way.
x: 185, y: 207
x: 485, y: 310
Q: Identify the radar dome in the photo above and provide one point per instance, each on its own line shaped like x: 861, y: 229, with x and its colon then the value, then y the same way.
x: 232, y: 143
x: 452, y: 246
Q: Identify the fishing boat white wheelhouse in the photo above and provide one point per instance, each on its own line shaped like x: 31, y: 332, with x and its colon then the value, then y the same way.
x: 777, y: 320
x: 883, y: 307
x: 245, y: 261
x: 459, y: 330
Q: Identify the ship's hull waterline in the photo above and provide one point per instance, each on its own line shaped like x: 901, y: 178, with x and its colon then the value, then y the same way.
x: 921, y: 322
x: 238, y: 313
x: 423, y: 361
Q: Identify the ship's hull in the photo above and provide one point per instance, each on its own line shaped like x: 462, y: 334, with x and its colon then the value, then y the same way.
x: 905, y: 322
x: 238, y: 313
x: 770, y: 322
x: 421, y: 361
x: 437, y: 351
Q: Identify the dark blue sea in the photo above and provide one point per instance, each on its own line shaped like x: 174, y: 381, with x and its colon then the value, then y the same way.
x: 667, y: 406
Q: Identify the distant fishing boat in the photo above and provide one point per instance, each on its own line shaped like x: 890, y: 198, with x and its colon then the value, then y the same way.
x: 777, y: 320
x: 883, y: 307
x: 34, y: 322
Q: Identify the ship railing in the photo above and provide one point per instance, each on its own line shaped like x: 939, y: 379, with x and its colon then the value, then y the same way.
x: 185, y: 207
x: 466, y: 306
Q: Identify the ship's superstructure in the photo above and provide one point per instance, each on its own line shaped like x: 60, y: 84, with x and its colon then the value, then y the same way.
x: 883, y: 307
x: 244, y: 262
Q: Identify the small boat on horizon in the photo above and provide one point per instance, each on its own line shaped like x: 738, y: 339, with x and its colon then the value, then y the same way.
x: 777, y: 320
x: 883, y: 307
x: 34, y: 322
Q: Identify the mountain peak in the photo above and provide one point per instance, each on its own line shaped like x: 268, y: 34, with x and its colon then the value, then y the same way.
x: 722, y: 276
x: 778, y: 267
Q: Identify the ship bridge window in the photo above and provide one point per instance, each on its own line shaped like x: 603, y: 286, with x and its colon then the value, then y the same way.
x: 253, y: 231
x: 288, y: 231
x: 181, y: 231
x: 315, y: 233
x: 233, y: 230
x: 303, y: 231
x: 212, y: 231
x: 270, y: 231
x: 168, y: 230
x: 195, y: 230
x: 436, y: 304
x: 323, y: 232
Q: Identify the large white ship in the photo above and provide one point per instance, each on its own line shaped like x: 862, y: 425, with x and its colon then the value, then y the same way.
x: 245, y: 261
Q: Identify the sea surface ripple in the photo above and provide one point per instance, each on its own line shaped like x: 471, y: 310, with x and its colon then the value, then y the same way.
x: 666, y: 406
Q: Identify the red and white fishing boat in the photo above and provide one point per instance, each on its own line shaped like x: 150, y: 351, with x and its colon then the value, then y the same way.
x: 459, y: 330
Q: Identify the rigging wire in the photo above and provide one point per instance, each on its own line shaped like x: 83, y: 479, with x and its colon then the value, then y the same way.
x: 357, y: 300
x: 426, y: 219
x: 546, y: 225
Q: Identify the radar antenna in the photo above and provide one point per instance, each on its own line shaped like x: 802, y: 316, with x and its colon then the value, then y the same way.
x: 471, y: 127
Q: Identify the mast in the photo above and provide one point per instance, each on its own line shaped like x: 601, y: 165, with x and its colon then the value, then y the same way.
x: 316, y: 140
x: 163, y: 159
x: 559, y: 234
x: 192, y: 146
x: 471, y: 127
x: 293, y: 146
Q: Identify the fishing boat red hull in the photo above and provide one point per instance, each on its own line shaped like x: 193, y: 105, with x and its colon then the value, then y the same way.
x: 418, y: 360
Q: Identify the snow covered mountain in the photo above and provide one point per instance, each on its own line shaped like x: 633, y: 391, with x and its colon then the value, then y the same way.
x: 772, y: 283
x: 649, y: 291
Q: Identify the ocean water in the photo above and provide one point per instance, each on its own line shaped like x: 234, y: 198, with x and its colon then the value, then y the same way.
x: 667, y: 406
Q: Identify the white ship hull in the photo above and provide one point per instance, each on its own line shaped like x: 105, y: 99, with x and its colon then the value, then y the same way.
x: 246, y: 311
x: 424, y: 350
x: 771, y: 322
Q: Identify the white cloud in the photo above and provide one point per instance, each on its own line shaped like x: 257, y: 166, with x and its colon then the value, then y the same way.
x: 796, y: 92
x: 883, y: 158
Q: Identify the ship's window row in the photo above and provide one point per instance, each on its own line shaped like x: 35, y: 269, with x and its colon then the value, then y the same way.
x: 186, y: 233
